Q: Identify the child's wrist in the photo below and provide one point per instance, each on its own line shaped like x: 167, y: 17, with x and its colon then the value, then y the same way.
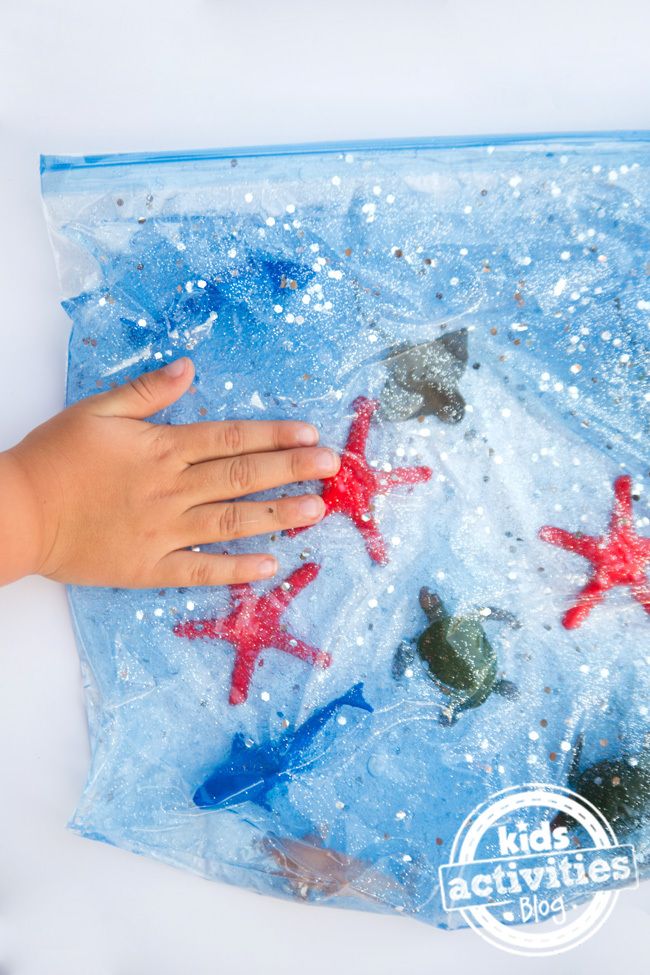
x: 20, y: 541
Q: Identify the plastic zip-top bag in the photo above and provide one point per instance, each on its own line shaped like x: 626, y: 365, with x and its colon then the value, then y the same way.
x: 468, y: 325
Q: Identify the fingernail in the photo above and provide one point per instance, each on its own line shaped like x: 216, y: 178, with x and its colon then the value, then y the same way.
x: 267, y: 567
x: 176, y: 368
x: 307, y: 435
x: 311, y: 508
x: 326, y: 462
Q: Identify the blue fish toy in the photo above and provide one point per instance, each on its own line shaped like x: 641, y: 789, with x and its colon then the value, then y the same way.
x: 249, y: 774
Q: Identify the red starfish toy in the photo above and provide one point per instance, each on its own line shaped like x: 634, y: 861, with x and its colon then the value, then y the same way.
x: 619, y: 558
x: 253, y: 625
x: 350, y: 492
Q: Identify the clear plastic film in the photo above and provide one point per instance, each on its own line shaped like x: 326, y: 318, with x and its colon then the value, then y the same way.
x: 467, y: 323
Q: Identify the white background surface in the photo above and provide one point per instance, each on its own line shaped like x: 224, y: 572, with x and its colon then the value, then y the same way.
x: 126, y: 75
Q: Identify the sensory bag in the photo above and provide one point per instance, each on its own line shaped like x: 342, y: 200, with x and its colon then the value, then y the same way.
x: 467, y: 324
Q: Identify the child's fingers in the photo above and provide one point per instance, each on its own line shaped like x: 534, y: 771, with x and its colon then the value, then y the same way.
x: 222, y: 480
x: 147, y: 394
x: 243, y: 519
x: 198, y: 569
x: 197, y: 442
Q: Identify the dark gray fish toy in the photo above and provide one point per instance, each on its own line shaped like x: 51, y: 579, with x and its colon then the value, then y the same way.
x: 619, y: 788
x: 457, y: 656
x: 423, y: 379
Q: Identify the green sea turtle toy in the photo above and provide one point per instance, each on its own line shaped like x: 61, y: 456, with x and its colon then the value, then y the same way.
x: 619, y: 788
x: 457, y: 656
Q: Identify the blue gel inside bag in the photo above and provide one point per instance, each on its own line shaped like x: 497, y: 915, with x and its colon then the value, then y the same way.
x: 484, y: 309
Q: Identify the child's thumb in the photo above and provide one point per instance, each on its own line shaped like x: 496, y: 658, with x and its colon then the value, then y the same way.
x: 149, y: 392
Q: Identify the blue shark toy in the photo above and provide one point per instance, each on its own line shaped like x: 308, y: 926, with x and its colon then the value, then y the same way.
x: 250, y: 773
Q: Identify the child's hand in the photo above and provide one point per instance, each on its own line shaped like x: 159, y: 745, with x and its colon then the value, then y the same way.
x: 96, y: 496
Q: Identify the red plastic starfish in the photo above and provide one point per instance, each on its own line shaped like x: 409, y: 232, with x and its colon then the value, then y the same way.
x: 618, y: 558
x: 253, y: 625
x: 350, y: 492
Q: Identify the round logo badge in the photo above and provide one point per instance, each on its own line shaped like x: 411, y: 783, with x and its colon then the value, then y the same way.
x: 536, y: 869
